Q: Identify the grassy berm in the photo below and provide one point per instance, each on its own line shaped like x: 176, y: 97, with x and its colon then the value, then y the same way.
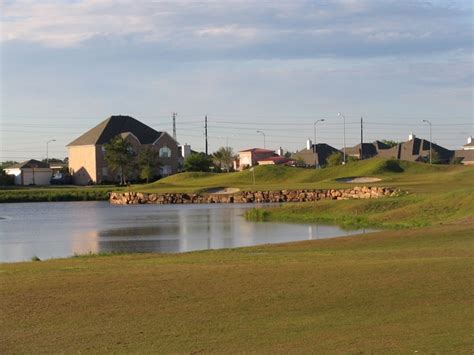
x: 405, y: 289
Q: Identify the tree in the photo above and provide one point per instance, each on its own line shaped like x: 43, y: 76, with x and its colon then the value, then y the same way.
x: 390, y: 143
x: 148, y: 163
x: 119, y: 156
x: 224, y: 158
x: 334, y: 159
x: 7, y: 163
x: 198, y: 162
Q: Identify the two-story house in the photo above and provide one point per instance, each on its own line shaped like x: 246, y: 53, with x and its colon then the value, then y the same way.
x: 86, y: 153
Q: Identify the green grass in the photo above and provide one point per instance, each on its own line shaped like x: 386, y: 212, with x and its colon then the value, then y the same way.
x: 394, y: 291
x: 403, y: 290
x: 412, y: 176
x: 49, y: 194
x: 395, y: 212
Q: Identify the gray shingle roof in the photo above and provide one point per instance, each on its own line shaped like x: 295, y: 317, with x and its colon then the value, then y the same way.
x: 113, y: 126
x: 32, y: 163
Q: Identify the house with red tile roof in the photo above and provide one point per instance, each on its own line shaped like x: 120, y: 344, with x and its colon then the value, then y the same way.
x: 251, y: 157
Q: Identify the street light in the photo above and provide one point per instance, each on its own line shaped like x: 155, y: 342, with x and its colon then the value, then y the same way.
x: 344, y: 143
x: 47, y: 149
x: 315, y: 146
x: 426, y: 121
x: 263, y: 138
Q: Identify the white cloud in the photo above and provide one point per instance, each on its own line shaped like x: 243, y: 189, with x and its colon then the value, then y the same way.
x: 300, y: 28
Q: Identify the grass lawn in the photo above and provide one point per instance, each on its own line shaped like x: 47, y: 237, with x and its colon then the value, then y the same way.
x: 408, y: 288
x: 395, y: 291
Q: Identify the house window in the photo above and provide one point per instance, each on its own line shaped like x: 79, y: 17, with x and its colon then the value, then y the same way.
x: 103, y: 149
x: 105, y: 172
x: 165, y: 152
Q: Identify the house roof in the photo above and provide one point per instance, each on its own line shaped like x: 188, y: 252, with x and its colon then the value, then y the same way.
x: 32, y: 163
x: 469, y: 144
x: 113, y: 126
x: 257, y: 150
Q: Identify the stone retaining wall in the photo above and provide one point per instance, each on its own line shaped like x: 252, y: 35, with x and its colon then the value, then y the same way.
x: 359, y: 192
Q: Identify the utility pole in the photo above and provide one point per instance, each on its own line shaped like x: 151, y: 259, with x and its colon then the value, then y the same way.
x: 174, y: 125
x: 344, y: 141
x: 315, y: 150
x: 205, y: 133
x: 361, y: 138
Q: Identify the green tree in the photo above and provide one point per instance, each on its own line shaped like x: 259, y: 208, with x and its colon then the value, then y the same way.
x: 390, y: 143
x: 224, y: 158
x: 334, y: 159
x: 148, y: 163
x: 7, y: 163
x: 198, y: 162
x: 119, y: 156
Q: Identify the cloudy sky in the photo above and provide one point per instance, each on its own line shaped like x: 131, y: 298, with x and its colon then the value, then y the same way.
x: 269, y: 65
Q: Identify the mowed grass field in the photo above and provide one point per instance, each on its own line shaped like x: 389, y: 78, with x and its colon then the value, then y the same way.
x: 405, y: 289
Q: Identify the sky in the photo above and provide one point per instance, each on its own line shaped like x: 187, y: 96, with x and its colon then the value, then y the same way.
x: 262, y: 65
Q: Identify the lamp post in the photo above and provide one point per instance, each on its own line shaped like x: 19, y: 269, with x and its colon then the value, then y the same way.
x: 426, y: 121
x: 316, y: 164
x: 263, y: 138
x: 344, y: 141
x: 47, y: 149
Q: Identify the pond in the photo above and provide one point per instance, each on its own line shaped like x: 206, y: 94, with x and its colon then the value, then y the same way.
x: 62, y: 229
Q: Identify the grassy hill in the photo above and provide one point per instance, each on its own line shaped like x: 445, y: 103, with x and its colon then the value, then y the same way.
x: 413, y: 176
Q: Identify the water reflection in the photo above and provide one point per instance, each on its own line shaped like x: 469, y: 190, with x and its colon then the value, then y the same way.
x: 51, y: 230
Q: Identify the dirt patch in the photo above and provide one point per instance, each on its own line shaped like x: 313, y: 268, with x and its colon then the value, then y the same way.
x: 359, y: 179
x: 223, y: 190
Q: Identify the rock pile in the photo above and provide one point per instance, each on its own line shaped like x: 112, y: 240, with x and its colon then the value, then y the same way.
x: 358, y: 192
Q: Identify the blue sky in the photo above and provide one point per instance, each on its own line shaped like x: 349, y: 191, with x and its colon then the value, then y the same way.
x: 275, y: 66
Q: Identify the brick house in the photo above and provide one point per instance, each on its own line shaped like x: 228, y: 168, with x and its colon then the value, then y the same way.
x: 314, y: 154
x: 86, y: 153
x: 417, y: 149
x: 466, y: 155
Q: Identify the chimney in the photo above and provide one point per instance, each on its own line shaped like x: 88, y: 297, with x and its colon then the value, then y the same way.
x: 309, y: 144
x: 280, y: 151
x: 411, y: 136
x: 185, y: 150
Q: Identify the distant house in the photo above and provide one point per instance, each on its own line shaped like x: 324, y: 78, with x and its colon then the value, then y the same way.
x: 276, y: 160
x: 367, y: 150
x: 314, y: 154
x: 86, y: 153
x: 416, y: 149
x: 30, y: 172
x: 251, y: 157
x: 466, y: 155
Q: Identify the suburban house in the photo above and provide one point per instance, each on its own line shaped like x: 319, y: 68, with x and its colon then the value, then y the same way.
x: 314, y: 154
x: 416, y: 149
x: 250, y: 157
x: 30, y: 172
x: 276, y: 160
x: 466, y: 155
x: 86, y: 153
x: 367, y: 150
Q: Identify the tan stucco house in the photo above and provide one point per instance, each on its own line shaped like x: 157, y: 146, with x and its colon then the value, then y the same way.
x: 250, y: 157
x: 86, y: 153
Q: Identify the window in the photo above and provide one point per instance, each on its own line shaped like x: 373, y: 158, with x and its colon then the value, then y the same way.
x: 105, y: 172
x: 103, y: 149
x: 165, y: 152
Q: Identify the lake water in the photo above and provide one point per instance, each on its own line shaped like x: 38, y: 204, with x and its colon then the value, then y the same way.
x: 57, y: 229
